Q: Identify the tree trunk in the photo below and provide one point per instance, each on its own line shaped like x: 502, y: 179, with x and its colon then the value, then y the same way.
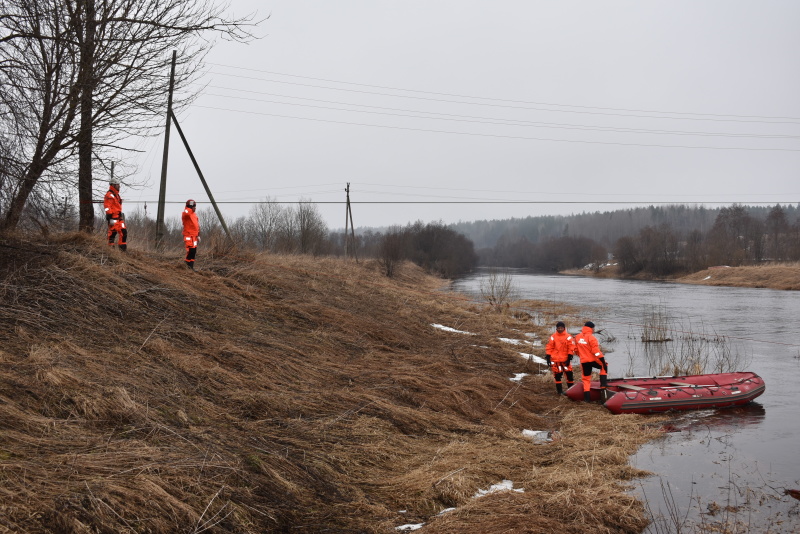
x: 86, y: 207
x: 17, y: 205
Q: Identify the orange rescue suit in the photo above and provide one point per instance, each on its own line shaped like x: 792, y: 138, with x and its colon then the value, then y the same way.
x: 591, y: 357
x: 112, y: 203
x: 191, y: 233
x: 560, y: 346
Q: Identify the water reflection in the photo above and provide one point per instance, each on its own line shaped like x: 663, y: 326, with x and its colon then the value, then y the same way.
x: 719, y: 420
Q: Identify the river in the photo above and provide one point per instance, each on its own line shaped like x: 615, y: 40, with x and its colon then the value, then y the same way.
x: 716, y: 467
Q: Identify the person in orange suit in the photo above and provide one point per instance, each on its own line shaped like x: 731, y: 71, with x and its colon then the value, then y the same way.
x: 559, y: 351
x: 591, y: 358
x: 191, y: 231
x: 112, y: 203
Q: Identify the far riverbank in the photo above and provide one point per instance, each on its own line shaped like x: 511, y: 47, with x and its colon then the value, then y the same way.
x: 772, y: 276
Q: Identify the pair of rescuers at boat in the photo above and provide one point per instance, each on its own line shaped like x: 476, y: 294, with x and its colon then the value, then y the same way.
x: 562, y: 347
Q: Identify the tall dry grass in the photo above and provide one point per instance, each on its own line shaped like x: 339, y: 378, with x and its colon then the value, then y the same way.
x: 273, y: 393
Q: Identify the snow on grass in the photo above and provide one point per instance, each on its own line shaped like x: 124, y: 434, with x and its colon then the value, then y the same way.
x: 448, y: 329
x: 518, y: 377
x: 534, y: 358
x: 409, y: 527
x: 520, y: 342
x: 538, y: 436
x: 505, y: 485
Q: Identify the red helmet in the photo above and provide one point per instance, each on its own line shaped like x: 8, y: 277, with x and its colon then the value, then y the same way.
x: 191, y: 203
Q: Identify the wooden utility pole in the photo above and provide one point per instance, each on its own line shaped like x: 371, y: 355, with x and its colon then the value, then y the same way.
x: 348, y: 215
x: 162, y: 192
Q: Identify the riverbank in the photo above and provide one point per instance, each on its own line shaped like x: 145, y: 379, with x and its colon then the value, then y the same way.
x: 785, y: 276
x: 268, y: 393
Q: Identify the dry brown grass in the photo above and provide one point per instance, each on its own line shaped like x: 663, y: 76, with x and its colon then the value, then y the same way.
x: 267, y: 393
x: 772, y: 276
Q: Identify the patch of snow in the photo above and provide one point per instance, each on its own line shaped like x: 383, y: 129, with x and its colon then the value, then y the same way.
x: 505, y: 485
x: 530, y: 334
x: 538, y: 436
x: 448, y: 329
x: 534, y: 358
x: 410, y: 526
x: 518, y: 377
x: 445, y: 511
x: 509, y: 340
x: 707, y: 277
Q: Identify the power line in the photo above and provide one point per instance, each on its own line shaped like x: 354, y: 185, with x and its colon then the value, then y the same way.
x: 500, y: 99
x: 792, y: 121
x: 499, y: 136
x: 486, y: 120
x: 426, y: 202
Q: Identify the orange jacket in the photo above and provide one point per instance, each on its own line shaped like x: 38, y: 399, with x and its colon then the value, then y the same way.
x: 560, y: 346
x: 588, y: 347
x: 112, y: 203
x: 191, y: 226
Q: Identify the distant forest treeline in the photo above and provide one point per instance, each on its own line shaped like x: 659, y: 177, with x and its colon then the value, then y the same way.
x: 658, y: 240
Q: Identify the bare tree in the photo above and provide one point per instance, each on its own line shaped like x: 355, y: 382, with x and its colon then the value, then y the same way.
x: 393, y: 249
x: 119, y: 52
x: 311, y: 227
x: 777, y: 227
x: 265, y: 224
x: 38, y: 100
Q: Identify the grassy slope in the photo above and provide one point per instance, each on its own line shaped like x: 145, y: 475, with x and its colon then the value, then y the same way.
x: 269, y: 393
x: 773, y: 276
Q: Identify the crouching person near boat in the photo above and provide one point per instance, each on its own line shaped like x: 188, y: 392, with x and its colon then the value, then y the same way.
x: 559, y: 351
x: 591, y: 358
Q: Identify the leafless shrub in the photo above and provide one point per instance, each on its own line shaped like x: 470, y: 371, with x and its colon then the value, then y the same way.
x: 656, y: 324
x: 498, y: 290
x: 695, y: 352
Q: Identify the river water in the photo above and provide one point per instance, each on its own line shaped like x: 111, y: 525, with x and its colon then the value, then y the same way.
x: 714, y: 467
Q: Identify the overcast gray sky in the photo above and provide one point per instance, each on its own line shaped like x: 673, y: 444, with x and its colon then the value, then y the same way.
x: 569, y: 105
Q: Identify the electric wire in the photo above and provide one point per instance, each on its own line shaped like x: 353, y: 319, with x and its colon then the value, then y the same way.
x: 508, y: 106
x: 498, y: 99
x: 500, y: 136
x: 489, y: 120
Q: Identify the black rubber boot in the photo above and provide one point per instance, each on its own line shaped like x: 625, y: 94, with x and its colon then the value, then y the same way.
x: 587, y: 397
x: 123, y: 248
x: 604, y: 387
x: 559, y: 389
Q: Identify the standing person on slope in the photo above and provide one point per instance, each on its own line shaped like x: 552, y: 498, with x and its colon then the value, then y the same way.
x: 591, y: 358
x: 559, y: 351
x: 112, y: 203
x: 191, y: 231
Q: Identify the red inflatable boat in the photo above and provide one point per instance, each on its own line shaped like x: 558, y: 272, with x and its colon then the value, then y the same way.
x: 664, y: 393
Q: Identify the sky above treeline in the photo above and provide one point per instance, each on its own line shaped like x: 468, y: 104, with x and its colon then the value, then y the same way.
x: 468, y: 110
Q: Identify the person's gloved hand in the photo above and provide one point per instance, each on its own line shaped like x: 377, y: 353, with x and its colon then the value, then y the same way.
x: 547, y: 359
x: 569, y: 359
